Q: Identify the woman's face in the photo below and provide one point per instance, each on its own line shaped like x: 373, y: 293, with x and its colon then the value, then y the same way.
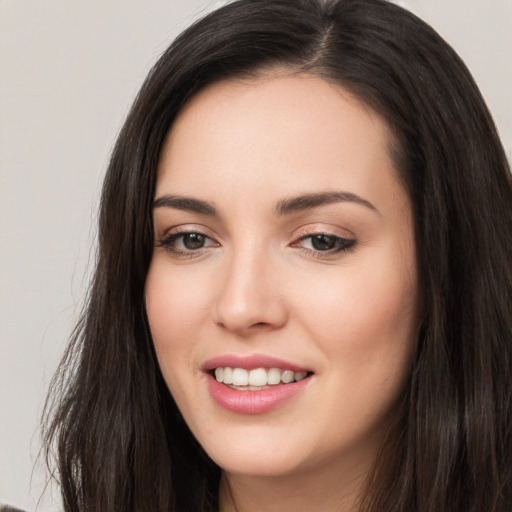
x: 284, y: 251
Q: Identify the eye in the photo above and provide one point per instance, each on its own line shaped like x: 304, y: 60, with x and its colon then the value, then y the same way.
x: 325, y: 243
x: 187, y: 242
x: 193, y: 241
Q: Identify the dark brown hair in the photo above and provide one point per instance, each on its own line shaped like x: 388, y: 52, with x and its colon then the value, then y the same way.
x: 119, y: 441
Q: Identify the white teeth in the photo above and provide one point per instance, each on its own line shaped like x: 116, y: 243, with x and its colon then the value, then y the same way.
x: 228, y: 376
x: 274, y: 376
x: 257, y: 378
x: 287, y: 376
x: 240, y: 377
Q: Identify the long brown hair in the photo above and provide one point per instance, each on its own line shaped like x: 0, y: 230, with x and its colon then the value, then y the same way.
x: 119, y: 441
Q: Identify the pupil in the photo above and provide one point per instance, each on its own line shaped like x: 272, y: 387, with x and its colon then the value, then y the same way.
x: 193, y: 241
x: 323, y: 242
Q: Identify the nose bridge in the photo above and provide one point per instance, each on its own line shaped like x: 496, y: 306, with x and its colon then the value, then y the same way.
x: 248, y: 295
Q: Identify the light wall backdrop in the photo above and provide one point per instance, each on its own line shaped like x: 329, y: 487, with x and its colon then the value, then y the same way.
x: 68, y: 73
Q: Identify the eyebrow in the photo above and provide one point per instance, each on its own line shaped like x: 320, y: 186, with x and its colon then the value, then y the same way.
x: 309, y: 201
x: 283, y: 207
x: 186, y: 203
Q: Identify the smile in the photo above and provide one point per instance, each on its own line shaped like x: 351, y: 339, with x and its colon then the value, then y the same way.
x: 254, y: 384
x: 257, y: 378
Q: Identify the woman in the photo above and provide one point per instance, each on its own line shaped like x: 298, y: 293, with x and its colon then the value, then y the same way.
x: 303, y: 289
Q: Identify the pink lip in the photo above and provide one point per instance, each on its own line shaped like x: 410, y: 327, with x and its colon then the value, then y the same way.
x: 251, y: 362
x: 252, y: 402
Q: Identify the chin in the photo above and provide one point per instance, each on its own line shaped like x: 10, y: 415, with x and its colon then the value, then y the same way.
x: 255, y: 454
x: 262, y: 465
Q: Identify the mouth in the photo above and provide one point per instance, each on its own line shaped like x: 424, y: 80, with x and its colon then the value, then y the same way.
x: 255, y: 384
x: 256, y: 379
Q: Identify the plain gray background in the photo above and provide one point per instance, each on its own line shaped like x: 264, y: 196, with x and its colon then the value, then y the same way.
x: 69, y: 71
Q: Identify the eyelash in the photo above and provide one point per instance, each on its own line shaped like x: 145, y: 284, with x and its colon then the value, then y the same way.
x: 341, y: 244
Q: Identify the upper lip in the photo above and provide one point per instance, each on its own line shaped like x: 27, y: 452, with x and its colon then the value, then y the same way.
x: 249, y: 362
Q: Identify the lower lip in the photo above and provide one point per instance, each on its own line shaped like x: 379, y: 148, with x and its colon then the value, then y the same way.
x: 254, y: 402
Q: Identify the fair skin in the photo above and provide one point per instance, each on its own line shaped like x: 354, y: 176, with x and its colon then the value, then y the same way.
x: 327, y: 283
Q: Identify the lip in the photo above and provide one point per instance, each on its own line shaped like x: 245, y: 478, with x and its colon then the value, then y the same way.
x: 253, y: 402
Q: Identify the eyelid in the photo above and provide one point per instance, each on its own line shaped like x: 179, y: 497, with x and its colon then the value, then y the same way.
x: 323, y: 229
x: 187, y: 228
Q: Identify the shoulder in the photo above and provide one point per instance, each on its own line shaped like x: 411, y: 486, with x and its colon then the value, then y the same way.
x: 6, y: 508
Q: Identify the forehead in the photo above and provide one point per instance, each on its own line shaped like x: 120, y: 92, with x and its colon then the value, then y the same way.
x: 288, y: 132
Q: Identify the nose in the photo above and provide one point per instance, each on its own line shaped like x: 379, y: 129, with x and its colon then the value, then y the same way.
x: 249, y: 299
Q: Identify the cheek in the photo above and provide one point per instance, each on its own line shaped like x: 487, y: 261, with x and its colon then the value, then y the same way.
x: 176, y: 306
x: 365, y: 313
